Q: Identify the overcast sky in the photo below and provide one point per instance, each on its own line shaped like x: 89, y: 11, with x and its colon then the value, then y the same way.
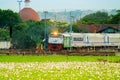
x: 53, y: 5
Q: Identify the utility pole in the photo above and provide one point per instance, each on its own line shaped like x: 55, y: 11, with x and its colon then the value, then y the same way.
x: 71, y: 23
x: 45, y: 33
x: 119, y: 27
x: 19, y: 1
x: 80, y: 15
x: 11, y: 46
x: 55, y: 16
x: 55, y: 20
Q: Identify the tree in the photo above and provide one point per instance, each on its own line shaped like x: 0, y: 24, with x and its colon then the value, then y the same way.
x: 9, y: 18
x: 63, y: 27
x: 79, y: 29
x: 35, y: 31
x: 59, y: 25
x: 4, y: 35
x: 115, y: 19
x: 95, y: 18
x: 20, y: 39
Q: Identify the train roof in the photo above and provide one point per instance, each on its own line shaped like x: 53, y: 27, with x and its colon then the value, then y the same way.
x: 90, y: 34
x: 66, y: 34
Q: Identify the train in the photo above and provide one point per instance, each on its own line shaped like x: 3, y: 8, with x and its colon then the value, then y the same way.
x: 63, y: 41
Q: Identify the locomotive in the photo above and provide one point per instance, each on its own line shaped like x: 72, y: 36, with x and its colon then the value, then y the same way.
x: 55, y: 41
x: 87, y: 40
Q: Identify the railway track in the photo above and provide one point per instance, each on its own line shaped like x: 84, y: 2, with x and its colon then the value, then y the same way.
x: 61, y: 52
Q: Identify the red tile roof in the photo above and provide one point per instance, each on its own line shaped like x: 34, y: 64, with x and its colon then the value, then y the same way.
x: 98, y: 27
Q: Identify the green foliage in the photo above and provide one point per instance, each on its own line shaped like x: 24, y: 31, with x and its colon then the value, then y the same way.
x: 9, y: 18
x: 4, y: 35
x: 35, y: 31
x: 20, y: 27
x: 20, y: 39
x: 100, y: 18
x: 80, y: 29
x: 95, y: 18
x: 59, y: 25
x: 115, y: 19
x: 62, y: 26
x: 28, y: 43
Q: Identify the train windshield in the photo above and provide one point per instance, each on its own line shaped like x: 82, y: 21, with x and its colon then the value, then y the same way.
x: 52, y: 35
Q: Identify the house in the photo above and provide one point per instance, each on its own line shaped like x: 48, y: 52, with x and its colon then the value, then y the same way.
x: 101, y: 28
x: 108, y: 30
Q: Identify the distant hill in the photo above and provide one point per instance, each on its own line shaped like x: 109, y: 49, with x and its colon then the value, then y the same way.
x: 65, y: 15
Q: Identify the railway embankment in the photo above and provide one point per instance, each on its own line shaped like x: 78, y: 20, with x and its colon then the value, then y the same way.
x: 63, y: 52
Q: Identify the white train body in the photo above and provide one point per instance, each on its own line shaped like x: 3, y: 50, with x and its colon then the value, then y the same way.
x: 94, y: 39
x: 77, y: 40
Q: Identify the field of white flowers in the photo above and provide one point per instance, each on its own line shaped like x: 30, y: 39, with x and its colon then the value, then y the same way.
x: 59, y: 71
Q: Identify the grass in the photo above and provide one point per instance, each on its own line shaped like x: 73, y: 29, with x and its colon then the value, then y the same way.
x: 55, y: 58
x: 55, y: 67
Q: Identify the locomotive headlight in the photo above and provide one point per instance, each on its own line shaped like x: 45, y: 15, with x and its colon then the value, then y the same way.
x: 55, y: 33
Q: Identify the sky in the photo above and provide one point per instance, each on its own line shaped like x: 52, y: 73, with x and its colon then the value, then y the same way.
x: 54, y: 5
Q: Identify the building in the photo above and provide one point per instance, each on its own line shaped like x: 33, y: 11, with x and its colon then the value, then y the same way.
x: 27, y: 13
x: 101, y: 28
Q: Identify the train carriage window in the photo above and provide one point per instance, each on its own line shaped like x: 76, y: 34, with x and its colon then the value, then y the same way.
x: 78, y: 39
x: 86, y: 39
x: 106, y: 39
